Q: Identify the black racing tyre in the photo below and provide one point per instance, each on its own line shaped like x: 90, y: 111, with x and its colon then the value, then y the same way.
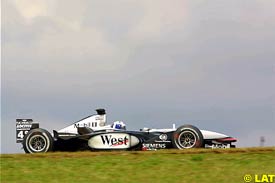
x: 37, y: 141
x: 187, y: 136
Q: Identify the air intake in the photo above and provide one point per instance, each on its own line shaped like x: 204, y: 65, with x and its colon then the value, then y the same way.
x: 100, y: 111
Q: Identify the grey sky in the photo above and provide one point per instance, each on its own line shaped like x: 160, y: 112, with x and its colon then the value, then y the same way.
x: 149, y: 63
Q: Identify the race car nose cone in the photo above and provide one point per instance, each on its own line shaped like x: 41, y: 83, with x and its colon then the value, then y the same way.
x: 212, y: 135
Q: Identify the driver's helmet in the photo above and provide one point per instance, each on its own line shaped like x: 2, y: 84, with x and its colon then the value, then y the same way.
x: 119, y: 125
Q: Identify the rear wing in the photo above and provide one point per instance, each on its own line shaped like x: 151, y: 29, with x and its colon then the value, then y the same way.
x: 23, y: 126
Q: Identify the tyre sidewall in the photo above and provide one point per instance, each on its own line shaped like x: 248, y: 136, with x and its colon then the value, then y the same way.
x: 38, y: 132
x: 185, y: 128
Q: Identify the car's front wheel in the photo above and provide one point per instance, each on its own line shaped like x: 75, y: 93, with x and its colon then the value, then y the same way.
x: 187, y: 136
x: 38, y: 140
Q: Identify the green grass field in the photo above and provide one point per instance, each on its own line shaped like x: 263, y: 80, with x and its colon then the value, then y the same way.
x: 194, y: 165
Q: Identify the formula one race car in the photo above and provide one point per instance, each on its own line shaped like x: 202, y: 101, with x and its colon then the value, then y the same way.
x: 92, y: 133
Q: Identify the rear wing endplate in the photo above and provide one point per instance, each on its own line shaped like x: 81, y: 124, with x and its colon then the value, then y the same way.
x: 23, y: 126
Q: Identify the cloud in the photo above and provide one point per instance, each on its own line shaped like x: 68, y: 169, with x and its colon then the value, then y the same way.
x: 158, y: 18
x: 31, y: 9
x: 147, y: 62
x: 57, y: 40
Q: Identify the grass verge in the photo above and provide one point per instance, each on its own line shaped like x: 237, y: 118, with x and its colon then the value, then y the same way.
x: 194, y: 165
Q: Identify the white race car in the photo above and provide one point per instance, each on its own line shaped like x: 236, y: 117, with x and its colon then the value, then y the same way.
x: 92, y: 133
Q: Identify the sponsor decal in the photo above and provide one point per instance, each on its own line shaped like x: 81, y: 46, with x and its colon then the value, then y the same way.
x: 89, y: 124
x: 163, y: 137
x: 153, y: 146
x: 22, y: 128
x: 23, y: 124
x: 217, y: 146
x: 67, y: 135
x: 113, y: 141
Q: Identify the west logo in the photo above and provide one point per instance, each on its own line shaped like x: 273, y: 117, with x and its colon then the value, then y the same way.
x: 113, y: 141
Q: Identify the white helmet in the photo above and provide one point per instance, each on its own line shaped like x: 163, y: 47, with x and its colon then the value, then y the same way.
x: 119, y: 125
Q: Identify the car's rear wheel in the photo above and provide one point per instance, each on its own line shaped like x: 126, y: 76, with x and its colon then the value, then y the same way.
x: 186, y: 137
x: 38, y: 140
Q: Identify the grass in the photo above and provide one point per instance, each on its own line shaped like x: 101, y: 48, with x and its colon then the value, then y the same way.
x: 194, y: 165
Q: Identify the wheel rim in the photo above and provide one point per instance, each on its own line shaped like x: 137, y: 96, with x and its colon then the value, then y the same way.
x: 37, y: 143
x: 187, y: 139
